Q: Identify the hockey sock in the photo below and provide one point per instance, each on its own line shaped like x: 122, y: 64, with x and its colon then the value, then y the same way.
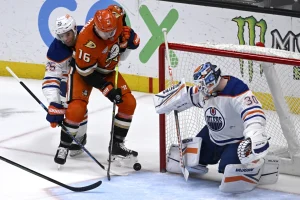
x: 65, y: 139
x: 121, y: 127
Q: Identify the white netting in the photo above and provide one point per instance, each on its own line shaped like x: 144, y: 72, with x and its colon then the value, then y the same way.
x: 251, y: 72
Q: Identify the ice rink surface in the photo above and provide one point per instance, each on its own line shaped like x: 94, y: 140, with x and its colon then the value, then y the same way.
x: 27, y: 138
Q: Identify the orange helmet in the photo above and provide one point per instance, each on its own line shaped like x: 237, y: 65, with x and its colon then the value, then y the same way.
x: 105, y: 23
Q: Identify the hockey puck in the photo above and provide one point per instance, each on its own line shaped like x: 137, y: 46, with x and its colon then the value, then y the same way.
x: 137, y: 166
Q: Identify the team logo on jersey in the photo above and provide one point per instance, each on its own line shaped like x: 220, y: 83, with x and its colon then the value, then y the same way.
x: 214, y: 119
x: 113, y: 53
x: 90, y: 44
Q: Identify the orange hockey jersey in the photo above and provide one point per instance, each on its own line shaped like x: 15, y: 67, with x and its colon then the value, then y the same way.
x: 94, y: 53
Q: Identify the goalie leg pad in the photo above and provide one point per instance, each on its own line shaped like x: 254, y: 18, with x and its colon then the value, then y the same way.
x: 270, y: 170
x: 191, y: 151
x: 241, y: 178
x: 191, y: 156
x: 173, y: 157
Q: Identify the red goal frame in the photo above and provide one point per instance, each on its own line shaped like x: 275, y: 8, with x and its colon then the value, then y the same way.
x: 202, y: 50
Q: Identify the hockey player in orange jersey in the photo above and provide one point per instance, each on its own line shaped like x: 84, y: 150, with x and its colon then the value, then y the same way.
x: 99, y: 46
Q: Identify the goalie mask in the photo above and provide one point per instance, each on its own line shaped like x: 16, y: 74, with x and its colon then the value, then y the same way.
x: 207, y: 77
x: 66, y: 30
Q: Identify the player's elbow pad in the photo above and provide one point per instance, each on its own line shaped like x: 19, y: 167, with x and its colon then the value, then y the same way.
x: 95, y: 79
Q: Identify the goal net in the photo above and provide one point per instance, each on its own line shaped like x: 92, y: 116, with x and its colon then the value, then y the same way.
x: 273, y: 76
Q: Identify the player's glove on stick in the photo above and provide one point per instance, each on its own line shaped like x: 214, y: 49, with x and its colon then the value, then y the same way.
x: 55, y: 114
x: 114, y: 95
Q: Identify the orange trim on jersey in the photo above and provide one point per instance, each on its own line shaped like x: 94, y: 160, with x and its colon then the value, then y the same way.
x: 195, y: 90
x: 254, y: 111
x: 51, y: 81
x: 191, y: 150
x: 182, y: 86
x: 238, y: 178
x: 60, y: 61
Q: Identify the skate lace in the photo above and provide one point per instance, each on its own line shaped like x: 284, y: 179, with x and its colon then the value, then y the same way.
x: 122, y: 146
x: 62, y: 152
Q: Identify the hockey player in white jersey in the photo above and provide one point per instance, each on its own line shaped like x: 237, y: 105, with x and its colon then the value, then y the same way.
x: 234, y: 135
x: 54, y: 87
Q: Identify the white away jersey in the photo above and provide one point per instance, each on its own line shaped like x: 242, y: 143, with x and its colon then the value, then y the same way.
x: 229, y: 112
x: 59, y: 58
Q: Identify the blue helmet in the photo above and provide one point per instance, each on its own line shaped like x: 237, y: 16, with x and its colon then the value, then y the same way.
x: 207, y: 77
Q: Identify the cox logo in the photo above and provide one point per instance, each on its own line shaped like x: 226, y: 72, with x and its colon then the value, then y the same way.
x: 50, y: 5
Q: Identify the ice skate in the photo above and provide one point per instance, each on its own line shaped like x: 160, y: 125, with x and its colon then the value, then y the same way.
x: 124, y: 157
x: 75, y: 149
x: 119, y: 149
x: 61, y: 156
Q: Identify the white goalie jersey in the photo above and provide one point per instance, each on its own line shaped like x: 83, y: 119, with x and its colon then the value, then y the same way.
x: 228, y: 114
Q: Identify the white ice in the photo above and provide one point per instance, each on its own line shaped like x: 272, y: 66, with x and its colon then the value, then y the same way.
x: 26, y: 138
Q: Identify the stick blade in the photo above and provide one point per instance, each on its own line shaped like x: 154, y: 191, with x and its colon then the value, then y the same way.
x: 85, y: 188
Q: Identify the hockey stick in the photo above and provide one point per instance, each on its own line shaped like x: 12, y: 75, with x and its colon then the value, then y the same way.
x: 183, y: 168
x: 112, y: 125
x: 63, y: 127
x: 74, y: 189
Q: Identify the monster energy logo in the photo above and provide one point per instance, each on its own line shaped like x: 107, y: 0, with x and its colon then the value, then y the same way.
x: 252, y: 24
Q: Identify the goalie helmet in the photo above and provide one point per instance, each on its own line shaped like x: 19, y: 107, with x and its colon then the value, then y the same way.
x: 207, y: 77
x: 63, y: 25
x: 105, y: 23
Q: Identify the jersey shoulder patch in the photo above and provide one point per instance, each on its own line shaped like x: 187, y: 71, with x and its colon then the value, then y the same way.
x: 234, y: 87
x: 58, y: 52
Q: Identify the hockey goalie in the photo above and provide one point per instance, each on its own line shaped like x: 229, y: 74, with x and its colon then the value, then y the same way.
x: 234, y: 136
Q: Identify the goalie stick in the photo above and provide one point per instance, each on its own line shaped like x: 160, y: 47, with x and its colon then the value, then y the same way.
x: 63, y: 127
x: 74, y: 189
x: 184, y: 170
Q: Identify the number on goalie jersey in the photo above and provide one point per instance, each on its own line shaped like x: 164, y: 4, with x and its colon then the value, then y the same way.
x: 232, y: 114
x: 54, y: 87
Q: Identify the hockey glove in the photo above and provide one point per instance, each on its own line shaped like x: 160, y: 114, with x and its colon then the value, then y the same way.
x: 114, y: 95
x: 129, y: 39
x: 254, y: 147
x: 55, y: 114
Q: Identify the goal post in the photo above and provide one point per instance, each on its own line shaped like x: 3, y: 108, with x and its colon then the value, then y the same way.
x: 274, y: 77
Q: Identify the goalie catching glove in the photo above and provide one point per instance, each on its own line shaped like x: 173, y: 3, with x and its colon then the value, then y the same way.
x: 178, y: 97
x: 255, y: 146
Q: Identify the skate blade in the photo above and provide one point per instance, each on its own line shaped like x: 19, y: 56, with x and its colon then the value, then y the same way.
x: 121, y: 161
x: 74, y: 153
x: 58, y: 167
